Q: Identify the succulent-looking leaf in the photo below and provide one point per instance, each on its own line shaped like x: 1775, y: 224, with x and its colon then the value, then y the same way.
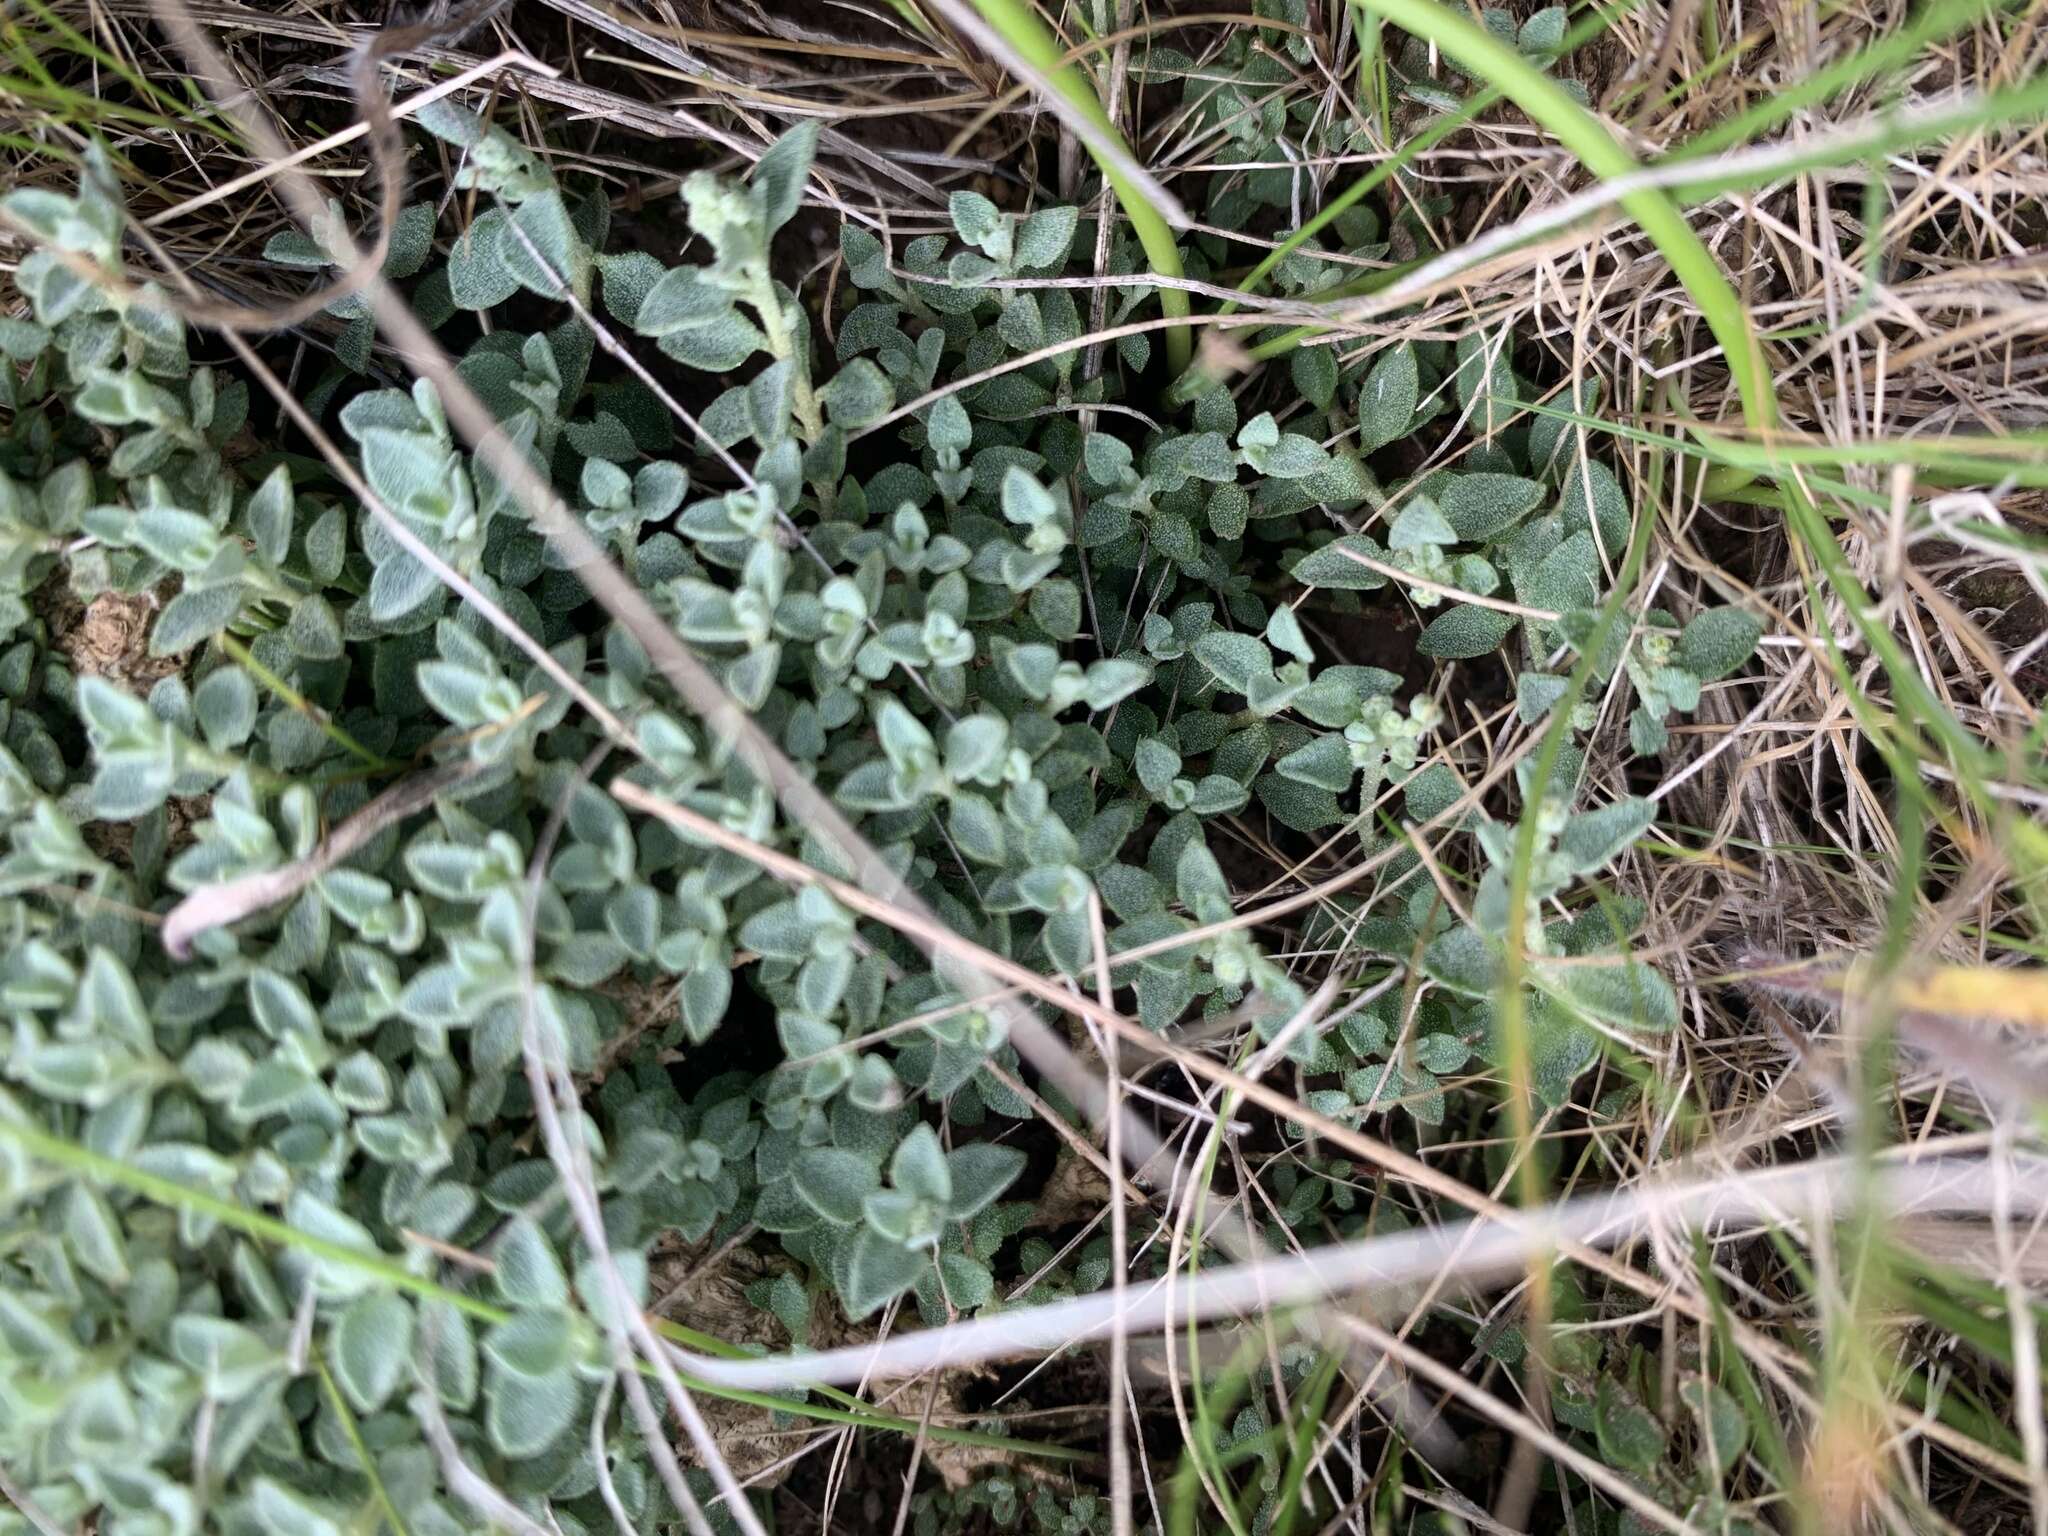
x: 878, y: 1271
x: 835, y: 1182
x: 1629, y: 1434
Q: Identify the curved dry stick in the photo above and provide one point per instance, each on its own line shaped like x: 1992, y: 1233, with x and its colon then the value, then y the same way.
x: 216, y: 906
x: 557, y: 1108
x: 1475, y: 1249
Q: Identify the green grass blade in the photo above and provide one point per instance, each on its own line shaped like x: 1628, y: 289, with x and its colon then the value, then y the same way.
x: 1308, y: 1421
x: 1432, y: 134
x: 1934, y: 24
x: 353, y: 1432
x: 1021, y: 28
x: 1547, y: 102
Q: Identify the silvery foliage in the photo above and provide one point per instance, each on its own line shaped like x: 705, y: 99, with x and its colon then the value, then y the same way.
x: 1032, y: 659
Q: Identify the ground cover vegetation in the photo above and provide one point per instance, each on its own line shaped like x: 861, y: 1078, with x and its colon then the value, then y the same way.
x: 733, y: 725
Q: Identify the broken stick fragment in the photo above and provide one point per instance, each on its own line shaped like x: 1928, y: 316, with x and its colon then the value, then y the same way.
x: 217, y: 906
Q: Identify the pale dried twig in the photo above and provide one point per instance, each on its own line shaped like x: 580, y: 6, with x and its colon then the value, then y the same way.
x: 1473, y: 1252
x: 218, y: 906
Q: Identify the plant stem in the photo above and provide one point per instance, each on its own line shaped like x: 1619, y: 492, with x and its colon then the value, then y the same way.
x: 781, y: 337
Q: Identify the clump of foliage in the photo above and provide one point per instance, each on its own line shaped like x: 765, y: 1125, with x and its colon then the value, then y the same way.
x: 1007, y: 1506
x: 1035, y: 652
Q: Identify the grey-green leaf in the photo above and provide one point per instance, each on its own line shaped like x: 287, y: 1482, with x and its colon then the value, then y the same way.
x: 1386, y: 402
x: 777, y: 187
x: 525, y: 1415
x: 1717, y: 642
x: 858, y: 394
x: 478, y: 276
x: 980, y: 1172
x: 1628, y: 1433
x: 541, y: 249
x: 878, y: 1271
x: 1592, y: 839
x: 920, y: 1167
x: 834, y: 1183
x: 1480, y: 506
x: 1624, y: 994
x: 373, y: 1348
x: 1333, y: 566
x: 1314, y: 371
x: 1593, y: 500
x: 529, y: 1274
x: 1465, y: 631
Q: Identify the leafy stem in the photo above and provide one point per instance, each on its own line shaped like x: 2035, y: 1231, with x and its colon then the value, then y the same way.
x: 1021, y: 28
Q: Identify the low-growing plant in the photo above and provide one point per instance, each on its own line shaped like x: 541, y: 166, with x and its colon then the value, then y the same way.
x: 1610, y: 1398
x: 1037, y: 653
x: 1008, y: 1506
